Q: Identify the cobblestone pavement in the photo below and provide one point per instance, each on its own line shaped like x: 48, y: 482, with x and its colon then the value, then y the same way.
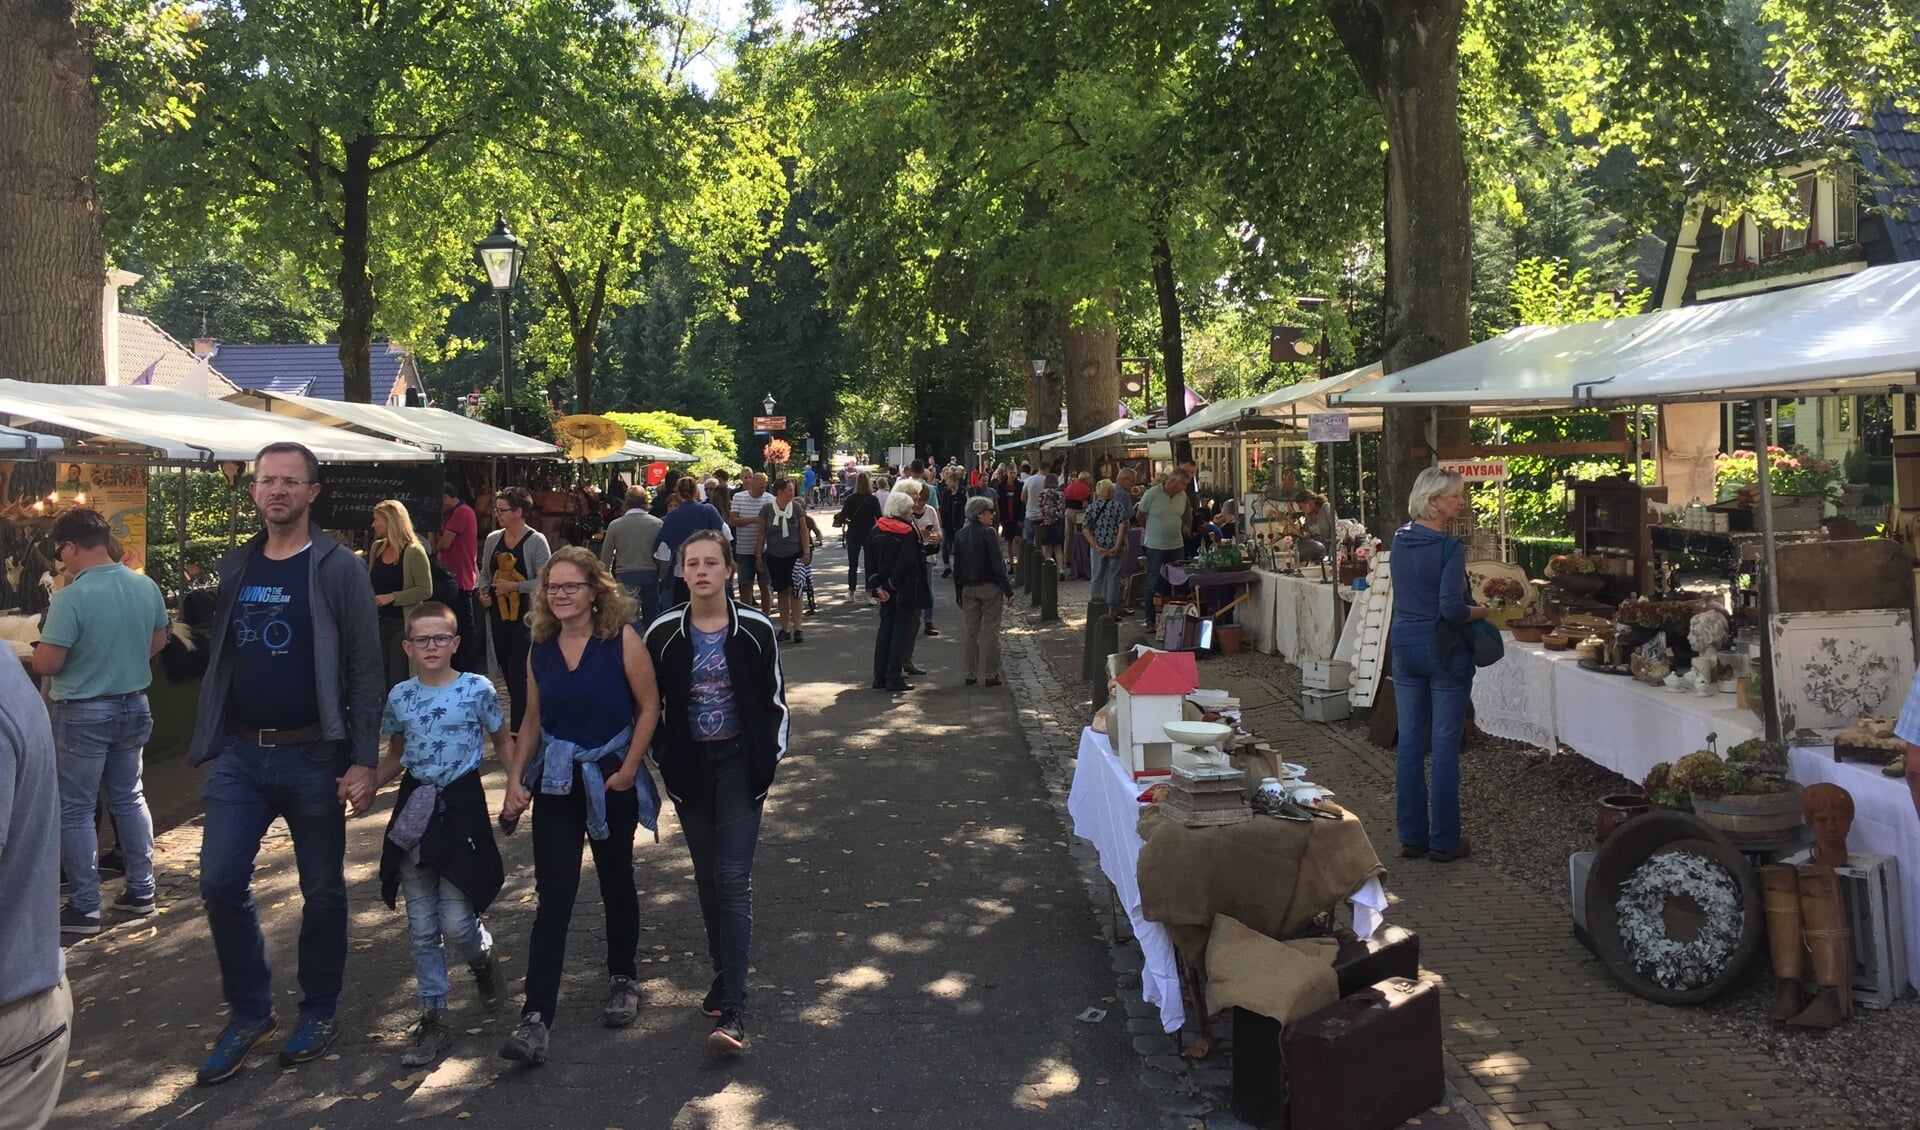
x: 1537, y: 1035
x: 924, y: 944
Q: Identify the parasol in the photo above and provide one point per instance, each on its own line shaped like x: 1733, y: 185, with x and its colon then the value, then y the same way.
x: 588, y: 437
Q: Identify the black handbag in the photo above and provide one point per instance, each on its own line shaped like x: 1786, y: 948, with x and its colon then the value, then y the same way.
x: 1478, y: 636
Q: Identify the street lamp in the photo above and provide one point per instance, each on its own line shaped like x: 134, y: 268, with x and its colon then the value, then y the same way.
x: 768, y: 404
x: 1039, y: 365
x: 500, y: 255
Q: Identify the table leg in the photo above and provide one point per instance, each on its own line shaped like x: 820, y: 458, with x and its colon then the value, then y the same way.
x: 1121, y: 936
x: 1194, y: 987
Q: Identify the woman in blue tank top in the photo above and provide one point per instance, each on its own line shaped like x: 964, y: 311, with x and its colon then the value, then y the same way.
x: 592, y: 705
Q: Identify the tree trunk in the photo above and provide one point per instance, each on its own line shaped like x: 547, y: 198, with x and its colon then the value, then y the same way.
x: 1043, y: 402
x: 1173, y: 354
x: 357, y: 303
x: 1408, y: 54
x: 52, y: 263
x: 1092, y: 356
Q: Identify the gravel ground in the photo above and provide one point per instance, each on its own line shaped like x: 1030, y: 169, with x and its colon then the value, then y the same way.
x: 1527, y: 812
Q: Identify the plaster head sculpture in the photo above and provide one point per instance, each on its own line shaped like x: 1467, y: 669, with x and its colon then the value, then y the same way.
x: 1828, y: 810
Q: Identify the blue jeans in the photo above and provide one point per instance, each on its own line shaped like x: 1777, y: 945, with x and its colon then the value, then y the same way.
x: 929, y: 616
x: 1107, y: 574
x: 721, y: 827
x: 890, y: 643
x: 854, y: 546
x: 1156, y: 558
x: 438, y: 916
x: 643, y: 585
x: 246, y: 788
x: 99, y: 743
x: 1431, y: 700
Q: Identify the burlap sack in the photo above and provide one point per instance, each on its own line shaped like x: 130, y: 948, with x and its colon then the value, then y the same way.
x: 1284, y: 980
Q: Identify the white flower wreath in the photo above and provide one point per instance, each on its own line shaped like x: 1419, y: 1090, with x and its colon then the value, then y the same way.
x: 1643, y: 928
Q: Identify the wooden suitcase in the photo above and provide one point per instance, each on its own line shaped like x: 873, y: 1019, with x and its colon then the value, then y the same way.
x: 1370, y: 1061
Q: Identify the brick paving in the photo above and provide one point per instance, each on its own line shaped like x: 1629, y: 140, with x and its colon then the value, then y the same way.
x: 1537, y: 1035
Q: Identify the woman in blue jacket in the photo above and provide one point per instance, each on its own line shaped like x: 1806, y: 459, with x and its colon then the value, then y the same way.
x: 1432, y: 666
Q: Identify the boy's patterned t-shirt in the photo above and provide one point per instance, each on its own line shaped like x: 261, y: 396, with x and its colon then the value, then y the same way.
x: 446, y: 728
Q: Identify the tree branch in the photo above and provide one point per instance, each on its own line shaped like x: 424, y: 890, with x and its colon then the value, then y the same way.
x: 1363, y: 32
x: 421, y: 150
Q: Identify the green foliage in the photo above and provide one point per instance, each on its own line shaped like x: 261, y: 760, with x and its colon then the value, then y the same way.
x: 231, y: 300
x: 1545, y: 293
x: 210, y: 508
x: 709, y: 441
x: 1792, y: 471
x: 1533, y: 553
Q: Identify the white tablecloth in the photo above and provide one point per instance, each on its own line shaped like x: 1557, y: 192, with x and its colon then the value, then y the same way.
x: 1884, y: 823
x: 1629, y: 727
x: 1546, y: 699
x: 1105, y: 808
x: 1514, y: 697
x: 1306, y: 617
x: 1258, y: 613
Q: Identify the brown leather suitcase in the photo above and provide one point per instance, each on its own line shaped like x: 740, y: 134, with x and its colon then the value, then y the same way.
x: 1370, y: 1061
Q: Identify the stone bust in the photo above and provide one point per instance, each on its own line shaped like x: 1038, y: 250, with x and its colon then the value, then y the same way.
x: 1828, y: 810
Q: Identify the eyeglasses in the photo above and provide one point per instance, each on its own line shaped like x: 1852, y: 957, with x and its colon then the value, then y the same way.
x: 273, y: 481
x: 431, y: 641
x: 569, y: 588
x: 503, y: 509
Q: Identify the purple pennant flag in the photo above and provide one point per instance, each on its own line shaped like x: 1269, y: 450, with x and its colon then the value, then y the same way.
x: 1120, y: 412
x: 1192, y: 401
x: 146, y: 374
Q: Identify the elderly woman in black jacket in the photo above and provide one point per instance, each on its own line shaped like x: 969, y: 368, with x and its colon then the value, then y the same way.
x: 897, y: 578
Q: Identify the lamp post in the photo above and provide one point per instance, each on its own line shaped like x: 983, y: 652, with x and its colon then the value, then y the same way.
x: 768, y: 404
x: 500, y: 255
x: 1033, y: 392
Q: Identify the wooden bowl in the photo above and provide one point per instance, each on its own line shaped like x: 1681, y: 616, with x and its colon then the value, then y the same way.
x: 1527, y: 633
x: 1554, y: 641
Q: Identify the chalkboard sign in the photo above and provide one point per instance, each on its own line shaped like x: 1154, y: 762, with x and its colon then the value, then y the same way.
x: 348, y: 493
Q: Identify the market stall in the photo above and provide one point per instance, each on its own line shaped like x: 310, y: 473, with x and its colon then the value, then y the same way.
x: 450, y: 434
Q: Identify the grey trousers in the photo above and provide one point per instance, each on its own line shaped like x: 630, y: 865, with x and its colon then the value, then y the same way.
x: 982, y: 606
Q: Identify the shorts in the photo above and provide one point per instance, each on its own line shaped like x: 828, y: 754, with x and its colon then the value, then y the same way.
x: 780, y: 571
x: 1054, y: 533
x: 750, y: 571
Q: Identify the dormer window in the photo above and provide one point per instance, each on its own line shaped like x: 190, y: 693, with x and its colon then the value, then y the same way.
x: 1730, y: 240
x: 1798, y: 236
x: 1846, y: 207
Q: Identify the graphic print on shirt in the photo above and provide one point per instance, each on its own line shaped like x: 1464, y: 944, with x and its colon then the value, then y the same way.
x: 713, y: 713
x: 259, y: 617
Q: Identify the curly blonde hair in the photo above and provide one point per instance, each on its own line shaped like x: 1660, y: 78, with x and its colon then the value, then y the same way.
x: 613, y: 609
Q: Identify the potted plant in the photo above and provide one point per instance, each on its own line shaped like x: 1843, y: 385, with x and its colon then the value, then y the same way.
x: 1801, y: 484
x: 1753, y: 809
x: 1662, y: 791
x: 1576, y: 574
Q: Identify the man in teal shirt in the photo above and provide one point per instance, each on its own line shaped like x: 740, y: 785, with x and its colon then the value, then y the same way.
x: 102, y: 630
x: 1164, y: 510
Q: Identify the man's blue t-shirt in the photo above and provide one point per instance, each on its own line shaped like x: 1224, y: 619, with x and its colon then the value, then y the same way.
x: 274, y: 685
x: 446, y: 728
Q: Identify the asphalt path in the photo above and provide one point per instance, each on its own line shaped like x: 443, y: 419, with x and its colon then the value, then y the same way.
x: 923, y: 948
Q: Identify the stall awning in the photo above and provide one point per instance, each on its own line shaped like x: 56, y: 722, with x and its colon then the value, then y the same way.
x: 1213, y: 420
x: 434, y: 429
x: 1030, y: 441
x: 637, y: 452
x: 1859, y: 333
x: 15, y: 441
x: 1124, y: 426
x: 178, y: 427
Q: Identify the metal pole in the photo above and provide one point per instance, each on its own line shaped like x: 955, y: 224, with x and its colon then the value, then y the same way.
x: 1500, y: 486
x: 506, y: 360
x: 1769, y: 589
x: 1360, y: 477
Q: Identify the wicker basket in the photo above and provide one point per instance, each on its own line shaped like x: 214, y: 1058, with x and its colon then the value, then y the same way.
x: 1753, y: 819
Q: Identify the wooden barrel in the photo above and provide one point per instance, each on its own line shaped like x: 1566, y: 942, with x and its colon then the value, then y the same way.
x: 1774, y: 816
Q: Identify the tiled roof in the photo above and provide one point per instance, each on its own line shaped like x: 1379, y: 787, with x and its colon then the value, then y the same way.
x: 1893, y: 143
x: 305, y: 370
x: 149, y: 355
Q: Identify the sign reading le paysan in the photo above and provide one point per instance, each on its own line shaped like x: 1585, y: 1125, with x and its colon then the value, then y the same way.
x: 1477, y: 470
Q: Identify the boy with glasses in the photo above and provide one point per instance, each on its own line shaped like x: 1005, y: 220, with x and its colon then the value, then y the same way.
x: 439, y: 848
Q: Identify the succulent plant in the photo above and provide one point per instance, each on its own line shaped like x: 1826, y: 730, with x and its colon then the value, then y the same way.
x: 1703, y: 774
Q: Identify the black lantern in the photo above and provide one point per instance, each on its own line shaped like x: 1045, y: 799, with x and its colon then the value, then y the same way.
x: 500, y: 256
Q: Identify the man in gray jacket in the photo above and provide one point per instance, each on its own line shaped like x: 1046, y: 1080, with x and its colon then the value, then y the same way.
x: 35, y: 1006
x: 290, y: 719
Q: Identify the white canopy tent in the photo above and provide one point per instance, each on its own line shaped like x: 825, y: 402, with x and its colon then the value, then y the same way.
x: 168, y: 426
x: 1860, y: 333
x: 434, y: 429
x: 1126, y: 427
x: 637, y: 452
x: 1030, y: 441
x: 16, y: 441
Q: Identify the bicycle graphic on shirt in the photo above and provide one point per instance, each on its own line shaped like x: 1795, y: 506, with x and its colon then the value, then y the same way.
x: 261, y: 624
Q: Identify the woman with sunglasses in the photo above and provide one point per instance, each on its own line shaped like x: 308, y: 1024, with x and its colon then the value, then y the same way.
x: 592, y: 706
x: 515, y: 550
x: 723, y: 731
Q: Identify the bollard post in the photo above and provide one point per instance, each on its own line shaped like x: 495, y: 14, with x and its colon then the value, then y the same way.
x: 1022, y: 564
x: 1090, y: 666
x: 1049, y: 592
x: 1103, y: 639
x: 1033, y: 576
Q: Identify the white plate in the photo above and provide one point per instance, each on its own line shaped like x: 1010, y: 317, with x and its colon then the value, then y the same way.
x: 1289, y: 771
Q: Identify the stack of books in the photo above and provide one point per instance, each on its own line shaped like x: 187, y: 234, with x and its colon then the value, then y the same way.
x: 1205, y: 796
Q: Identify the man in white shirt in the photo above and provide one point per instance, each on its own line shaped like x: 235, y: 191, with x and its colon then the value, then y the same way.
x: 748, y: 518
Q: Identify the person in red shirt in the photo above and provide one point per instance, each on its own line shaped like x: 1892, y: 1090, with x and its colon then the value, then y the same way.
x: 458, y: 547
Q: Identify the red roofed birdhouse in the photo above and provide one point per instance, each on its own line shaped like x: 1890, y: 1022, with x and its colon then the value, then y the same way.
x: 1149, y: 695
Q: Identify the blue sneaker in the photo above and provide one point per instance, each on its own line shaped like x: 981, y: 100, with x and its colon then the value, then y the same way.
x: 310, y: 1041
x: 230, y: 1050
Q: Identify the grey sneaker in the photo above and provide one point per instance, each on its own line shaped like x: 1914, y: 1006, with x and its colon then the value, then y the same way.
x: 75, y: 924
x: 134, y: 904
x: 623, y: 1002
x: 429, y: 1038
x: 528, y: 1044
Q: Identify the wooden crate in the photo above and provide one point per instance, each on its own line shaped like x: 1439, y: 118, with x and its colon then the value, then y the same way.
x: 1870, y: 885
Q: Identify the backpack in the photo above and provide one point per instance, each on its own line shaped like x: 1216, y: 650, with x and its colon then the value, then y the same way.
x: 445, y: 590
x: 1053, y: 506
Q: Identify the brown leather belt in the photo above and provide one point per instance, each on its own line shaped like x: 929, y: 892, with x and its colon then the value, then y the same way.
x: 272, y: 739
